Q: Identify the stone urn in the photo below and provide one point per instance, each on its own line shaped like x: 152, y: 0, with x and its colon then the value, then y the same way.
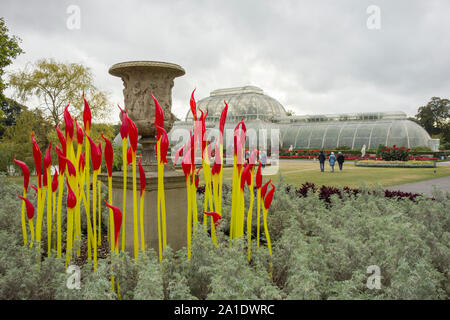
x: 140, y: 78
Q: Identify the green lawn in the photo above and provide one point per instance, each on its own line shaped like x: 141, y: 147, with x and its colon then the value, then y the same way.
x: 298, y: 172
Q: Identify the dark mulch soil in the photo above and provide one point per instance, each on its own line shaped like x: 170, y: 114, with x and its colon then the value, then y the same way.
x: 102, y: 250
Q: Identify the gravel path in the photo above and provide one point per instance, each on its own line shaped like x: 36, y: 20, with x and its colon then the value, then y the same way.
x: 424, y: 186
x: 427, y: 185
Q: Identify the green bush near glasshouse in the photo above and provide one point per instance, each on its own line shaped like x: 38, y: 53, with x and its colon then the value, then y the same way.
x: 321, y: 250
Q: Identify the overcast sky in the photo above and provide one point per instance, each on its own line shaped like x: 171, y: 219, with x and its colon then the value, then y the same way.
x: 312, y: 56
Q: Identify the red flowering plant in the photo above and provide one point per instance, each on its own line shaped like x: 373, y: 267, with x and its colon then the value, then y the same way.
x: 394, y: 153
x: 325, y: 192
x: 301, y: 153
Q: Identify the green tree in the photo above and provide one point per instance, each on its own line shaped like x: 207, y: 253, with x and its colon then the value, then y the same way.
x: 55, y: 84
x: 2, y: 119
x: 446, y: 134
x: 9, y: 50
x: 435, y: 117
x: 9, y: 111
x: 17, y: 138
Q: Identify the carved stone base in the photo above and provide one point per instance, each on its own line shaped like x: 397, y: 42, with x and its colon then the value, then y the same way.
x: 176, y: 204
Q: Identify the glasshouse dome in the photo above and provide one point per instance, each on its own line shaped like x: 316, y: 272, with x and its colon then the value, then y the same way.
x: 308, y: 131
x: 249, y: 102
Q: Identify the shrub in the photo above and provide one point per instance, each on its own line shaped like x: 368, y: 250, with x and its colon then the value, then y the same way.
x: 420, y: 149
x: 323, y: 240
x: 417, y: 163
x: 326, y: 192
x: 393, y: 153
x: 149, y: 284
x: 234, y: 278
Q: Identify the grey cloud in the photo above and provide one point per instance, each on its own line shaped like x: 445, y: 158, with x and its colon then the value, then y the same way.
x: 313, y: 56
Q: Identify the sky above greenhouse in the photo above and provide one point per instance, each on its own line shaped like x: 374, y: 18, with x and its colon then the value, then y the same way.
x: 314, y: 57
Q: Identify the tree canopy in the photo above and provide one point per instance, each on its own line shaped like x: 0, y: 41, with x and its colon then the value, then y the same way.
x: 9, y: 50
x: 16, y: 140
x: 435, y: 117
x: 55, y: 84
x: 9, y: 111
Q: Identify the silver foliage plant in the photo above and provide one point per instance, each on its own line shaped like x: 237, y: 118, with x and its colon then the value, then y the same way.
x: 320, y: 251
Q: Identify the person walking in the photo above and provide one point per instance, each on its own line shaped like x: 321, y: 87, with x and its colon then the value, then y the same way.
x: 332, y: 160
x: 340, y: 160
x: 322, y: 160
x: 263, y: 159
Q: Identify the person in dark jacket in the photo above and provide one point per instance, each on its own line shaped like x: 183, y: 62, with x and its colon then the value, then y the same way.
x: 340, y: 160
x: 322, y: 161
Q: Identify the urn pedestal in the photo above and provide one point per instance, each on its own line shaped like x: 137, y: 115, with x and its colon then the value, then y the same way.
x: 140, y: 78
x: 176, y: 204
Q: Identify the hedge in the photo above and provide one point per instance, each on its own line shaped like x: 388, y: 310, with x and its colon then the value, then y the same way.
x: 395, y: 164
x: 323, y: 243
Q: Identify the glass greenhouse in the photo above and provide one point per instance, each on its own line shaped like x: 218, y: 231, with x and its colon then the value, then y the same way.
x: 309, y: 131
x: 354, y: 134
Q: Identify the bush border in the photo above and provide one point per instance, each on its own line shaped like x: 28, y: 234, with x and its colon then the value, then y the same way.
x: 385, y: 164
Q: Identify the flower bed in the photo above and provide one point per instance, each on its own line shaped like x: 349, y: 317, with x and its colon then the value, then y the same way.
x: 352, y: 158
x: 396, y: 164
x: 325, y: 192
x: 351, y: 155
x: 322, y: 244
x: 348, y: 157
x: 300, y: 157
x: 422, y: 158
